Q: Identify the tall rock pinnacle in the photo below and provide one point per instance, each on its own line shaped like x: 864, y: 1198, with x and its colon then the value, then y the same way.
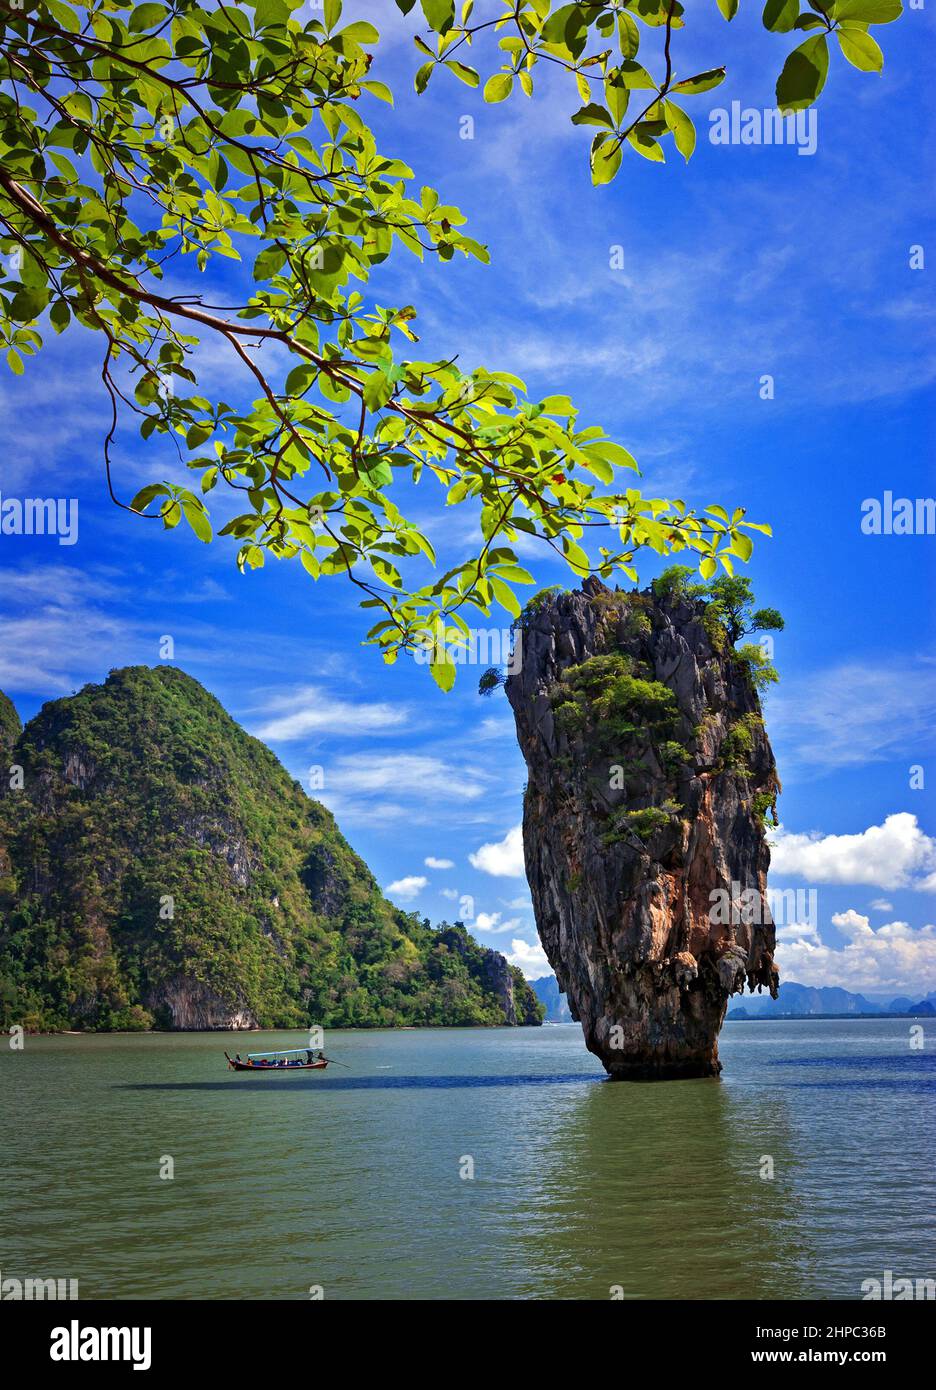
x: 650, y: 779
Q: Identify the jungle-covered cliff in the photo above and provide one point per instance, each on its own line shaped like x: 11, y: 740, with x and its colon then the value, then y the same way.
x: 650, y: 781
x: 160, y: 868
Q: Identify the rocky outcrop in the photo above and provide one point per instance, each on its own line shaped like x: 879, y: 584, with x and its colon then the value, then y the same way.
x: 192, y: 1006
x: 10, y: 726
x: 650, y: 778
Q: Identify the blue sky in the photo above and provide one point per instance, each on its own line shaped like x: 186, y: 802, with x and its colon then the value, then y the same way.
x: 752, y: 260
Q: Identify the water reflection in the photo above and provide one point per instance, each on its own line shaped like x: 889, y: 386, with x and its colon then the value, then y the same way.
x: 656, y: 1191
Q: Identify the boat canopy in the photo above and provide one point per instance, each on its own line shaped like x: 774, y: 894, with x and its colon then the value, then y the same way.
x: 291, y: 1052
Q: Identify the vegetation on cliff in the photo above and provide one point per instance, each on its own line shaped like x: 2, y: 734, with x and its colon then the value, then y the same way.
x: 649, y: 779
x: 158, y: 854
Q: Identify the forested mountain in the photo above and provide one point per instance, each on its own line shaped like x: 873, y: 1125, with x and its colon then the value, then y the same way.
x: 160, y: 868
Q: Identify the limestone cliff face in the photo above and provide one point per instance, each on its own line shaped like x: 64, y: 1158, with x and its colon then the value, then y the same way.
x: 650, y: 778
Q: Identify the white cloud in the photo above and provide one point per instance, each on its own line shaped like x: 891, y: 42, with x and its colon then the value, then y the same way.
x: 503, y: 858
x: 491, y: 922
x: 451, y: 893
x: 896, y: 957
x: 881, y: 905
x: 531, y: 959
x: 798, y: 931
x: 406, y: 889
x: 893, y: 855
x: 431, y: 862
x: 852, y: 924
x: 311, y: 711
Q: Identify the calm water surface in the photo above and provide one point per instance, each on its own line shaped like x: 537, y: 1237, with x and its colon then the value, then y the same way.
x: 351, y: 1179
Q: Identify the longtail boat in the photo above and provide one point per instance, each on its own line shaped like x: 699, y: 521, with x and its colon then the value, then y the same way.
x: 296, y: 1059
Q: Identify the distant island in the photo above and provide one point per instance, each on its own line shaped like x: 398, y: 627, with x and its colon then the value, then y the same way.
x: 793, y: 1001
x: 159, y: 868
x: 805, y: 1001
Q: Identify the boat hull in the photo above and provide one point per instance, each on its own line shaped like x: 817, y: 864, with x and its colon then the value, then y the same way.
x: 254, y: 1066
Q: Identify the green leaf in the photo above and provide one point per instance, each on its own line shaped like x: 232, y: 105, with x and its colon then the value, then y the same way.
x: 15, y: 361
x: 867, y: 11
x: 465, y: 73
x: 377, y: 391
x: 505, y: 595
x: 440, y: 14
x: 647, y: 146
x: 804, y: 74
x: 576, y: 557
x: 617, y: 97
x: 729, y: 8
x: 360, y: 32
x: 605, y: 160
x: 197, y: 518
x: 628, y: 35
x: 146, y: 17
x: 59, y: 315
x: 702, y: 82
x: 593, y: 114
x: 567, y: 27
x: 442, y: 670
x: 707, y: 567
x: 860, y: 49
x: 780, y: 15
x: 742, y: 546
x: 269, y: 263
x: 684, y: 132
x: 146, y: 495
x: 498, y: 87
x: 379, y: 90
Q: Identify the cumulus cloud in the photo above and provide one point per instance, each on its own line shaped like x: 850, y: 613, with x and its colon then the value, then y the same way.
x: 895, y: 957
x: 502, y: 858
x: 897, y: 854
x: 406, y: 889
x: 491, y: 922
x: 431, y: 862
x: 530, y: 958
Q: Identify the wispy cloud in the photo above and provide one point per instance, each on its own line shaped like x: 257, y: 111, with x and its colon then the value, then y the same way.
x: 311, y: 710
x: 856, y: 713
